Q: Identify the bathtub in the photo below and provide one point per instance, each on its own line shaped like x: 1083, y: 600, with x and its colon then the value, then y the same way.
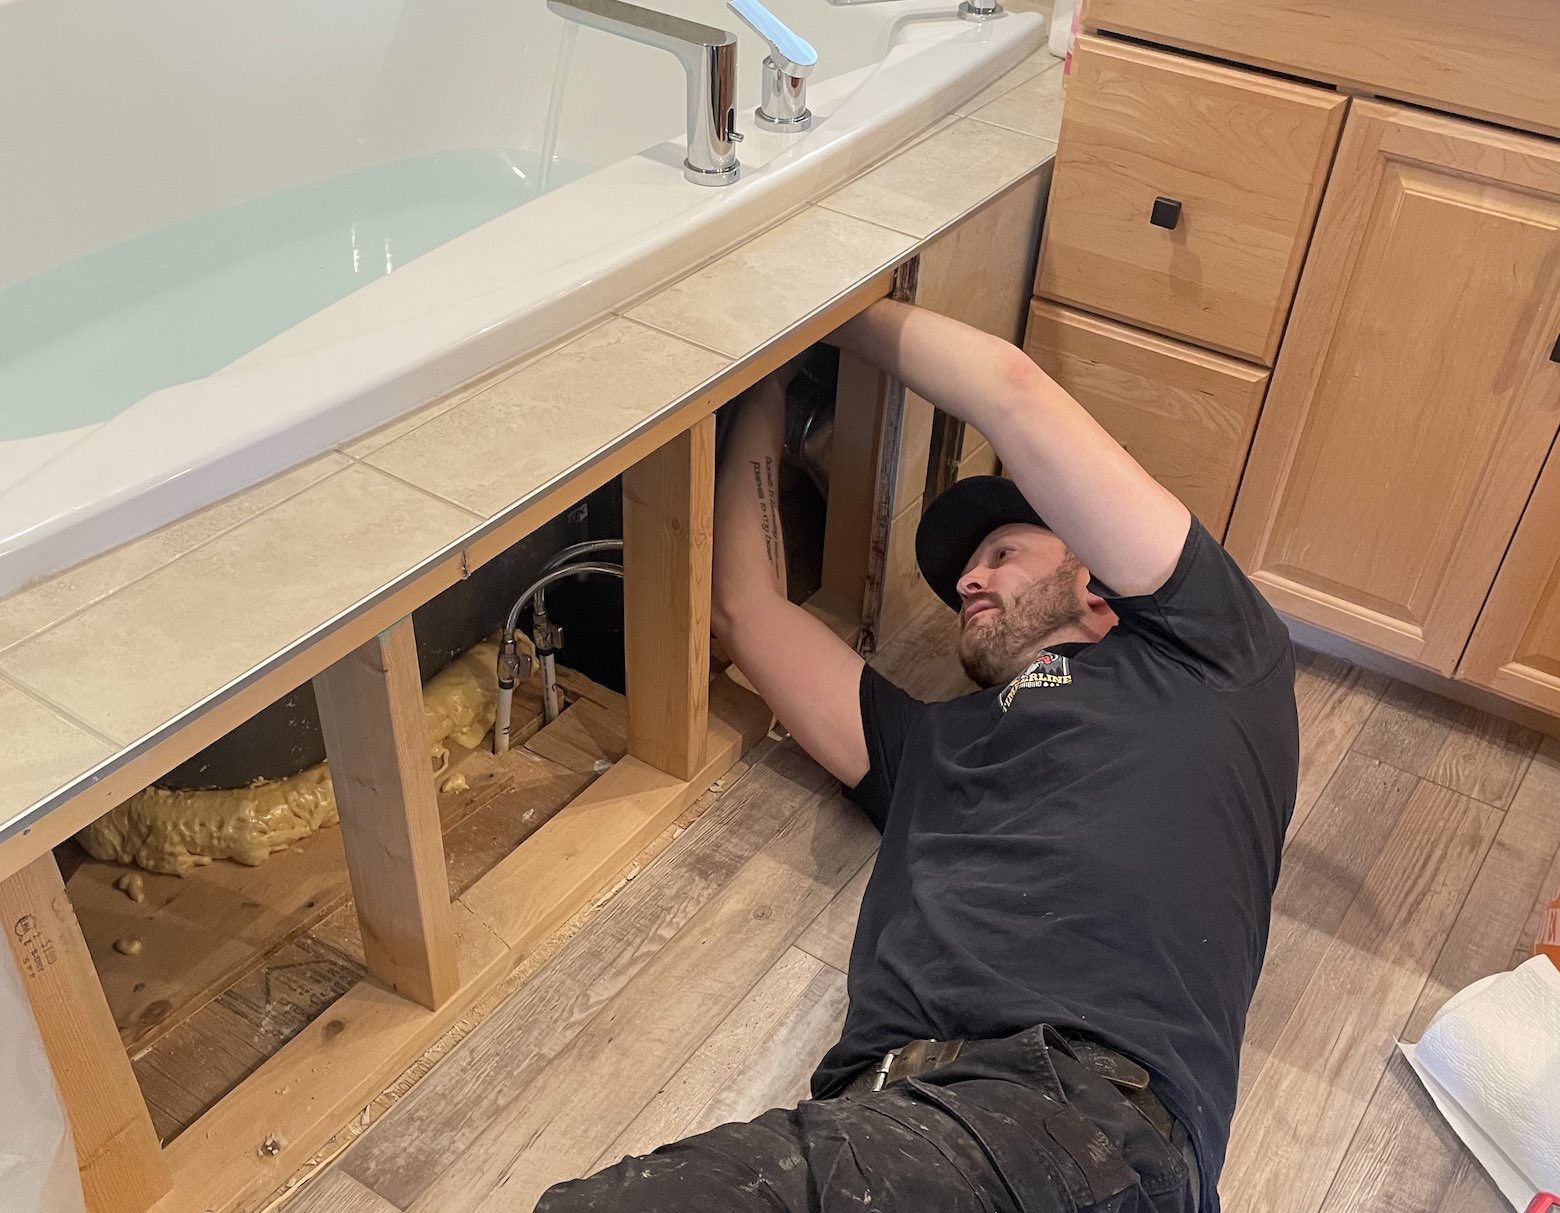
x: 246, y: 232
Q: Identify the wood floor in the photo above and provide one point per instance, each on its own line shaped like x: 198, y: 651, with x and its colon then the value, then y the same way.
x: 1425, y: 841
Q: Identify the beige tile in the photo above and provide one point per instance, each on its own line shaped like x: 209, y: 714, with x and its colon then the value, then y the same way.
x: 42, y: 751
x: 1033, y: 107
x: 927, y: 186
x: 507, y: 441
x: 751, y: 295
x: 1042, y: 60
x: 29, y: 611
x: 166, y: 642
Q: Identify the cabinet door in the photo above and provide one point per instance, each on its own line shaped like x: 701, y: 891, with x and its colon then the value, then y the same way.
x: 1414, y: 400
x: 1515, y: 650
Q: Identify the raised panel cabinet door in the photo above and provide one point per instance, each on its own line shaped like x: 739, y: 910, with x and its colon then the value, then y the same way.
x: 1515, y: 650
x: 1415, y: 398
x: 1183, y: 413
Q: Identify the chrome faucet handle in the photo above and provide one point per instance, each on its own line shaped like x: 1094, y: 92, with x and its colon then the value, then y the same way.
x: 791, y: 60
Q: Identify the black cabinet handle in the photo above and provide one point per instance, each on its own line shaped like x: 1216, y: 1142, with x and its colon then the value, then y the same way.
x: 1554, y: 354
x: 1166, y: 213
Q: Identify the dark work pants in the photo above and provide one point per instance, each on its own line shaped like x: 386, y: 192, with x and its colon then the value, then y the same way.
x: 1017, y: 1125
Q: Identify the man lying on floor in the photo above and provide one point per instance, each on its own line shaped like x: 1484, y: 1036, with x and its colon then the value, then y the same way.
x: 1069, y: 909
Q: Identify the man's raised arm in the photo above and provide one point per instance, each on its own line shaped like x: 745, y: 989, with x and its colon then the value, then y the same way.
x: 807, y: 675
x: 1121, y: 523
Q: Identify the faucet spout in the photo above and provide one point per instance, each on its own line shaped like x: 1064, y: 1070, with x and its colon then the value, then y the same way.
x: 708, y: 56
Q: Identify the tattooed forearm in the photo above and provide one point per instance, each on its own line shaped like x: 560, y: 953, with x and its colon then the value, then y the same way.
x: 768, y: 512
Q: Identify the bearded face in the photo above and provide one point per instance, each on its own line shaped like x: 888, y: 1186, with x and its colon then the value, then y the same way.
x: 998, y: 637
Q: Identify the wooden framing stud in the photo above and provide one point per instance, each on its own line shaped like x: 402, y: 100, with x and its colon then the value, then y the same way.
x: 121, y: 1164
x: 859, y: 405
x: 668, y: 528
x: 371, y: 712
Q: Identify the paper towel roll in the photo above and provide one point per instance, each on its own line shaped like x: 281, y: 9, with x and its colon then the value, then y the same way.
x: 1495, y: 1048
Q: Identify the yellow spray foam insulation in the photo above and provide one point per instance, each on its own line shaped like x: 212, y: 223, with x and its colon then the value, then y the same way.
x: 173, y: 830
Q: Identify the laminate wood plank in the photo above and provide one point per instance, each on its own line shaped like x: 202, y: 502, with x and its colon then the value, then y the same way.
x: 1325, y: 868
x: 122, y: 1168
x: 563, y: 1120
x: 376, y: 734
x: 1404, y: 1155
x: 1449, y: 743
x: 1303, y: 1109
x: 720, y: 1073
x: 1512, y: 878
x: 1334, y: 698
x: 668, y: 537
x: 334, y: 1191
x: 829, y: 936
x: 1544, y: 771
x: 778, y: 1073
x: 452, y: 1107
x: 1471, y: 1190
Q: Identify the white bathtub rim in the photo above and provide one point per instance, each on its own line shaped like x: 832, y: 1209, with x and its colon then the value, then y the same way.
x: 332, y: 399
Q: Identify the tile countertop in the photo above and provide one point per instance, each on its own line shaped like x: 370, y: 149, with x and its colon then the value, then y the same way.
x: 102, y: 661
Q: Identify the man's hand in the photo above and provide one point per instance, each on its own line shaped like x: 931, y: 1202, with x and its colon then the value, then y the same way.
x: 1125, y: 527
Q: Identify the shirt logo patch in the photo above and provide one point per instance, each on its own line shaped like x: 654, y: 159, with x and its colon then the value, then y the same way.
x: 1047, y: 670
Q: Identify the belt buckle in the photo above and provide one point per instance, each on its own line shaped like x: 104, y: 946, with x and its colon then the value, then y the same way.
x: 880, y: 1071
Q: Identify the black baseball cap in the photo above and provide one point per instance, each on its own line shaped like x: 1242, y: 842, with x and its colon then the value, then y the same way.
x: 953, y: 526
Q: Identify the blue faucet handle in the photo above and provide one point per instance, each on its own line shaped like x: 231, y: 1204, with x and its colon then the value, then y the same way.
x: 793, y: 55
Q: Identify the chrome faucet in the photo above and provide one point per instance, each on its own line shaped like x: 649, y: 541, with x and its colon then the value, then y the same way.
x: 708, y: 56
x: 790, y: 61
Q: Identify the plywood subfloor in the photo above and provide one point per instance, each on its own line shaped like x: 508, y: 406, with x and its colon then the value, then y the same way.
x: 237, y: 961
x: 1426, y: 839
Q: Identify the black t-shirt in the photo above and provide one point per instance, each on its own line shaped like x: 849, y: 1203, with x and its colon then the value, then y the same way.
x: 1093, y: 846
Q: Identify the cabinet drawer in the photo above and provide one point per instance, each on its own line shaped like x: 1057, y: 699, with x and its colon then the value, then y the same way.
x: 1245, y: 156
x: 1186, y: 415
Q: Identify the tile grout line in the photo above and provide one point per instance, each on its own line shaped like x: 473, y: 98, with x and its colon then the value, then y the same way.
x: 731, y: 359
x: 38, y: 697
x: 481, y: 520
x: 15, y: 645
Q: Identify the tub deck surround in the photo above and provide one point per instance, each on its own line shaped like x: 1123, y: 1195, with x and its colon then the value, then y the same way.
x: 114, y: 672
x: 331, y: 342
x: 94, y: 653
